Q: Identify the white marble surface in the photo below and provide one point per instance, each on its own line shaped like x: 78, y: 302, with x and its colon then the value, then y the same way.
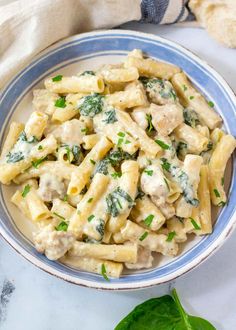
x: 42, y: 302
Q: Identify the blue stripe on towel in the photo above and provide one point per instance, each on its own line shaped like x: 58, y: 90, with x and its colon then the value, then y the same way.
x: 153, y: 11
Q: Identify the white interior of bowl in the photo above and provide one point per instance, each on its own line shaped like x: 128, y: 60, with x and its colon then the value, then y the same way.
x: 21, y: 114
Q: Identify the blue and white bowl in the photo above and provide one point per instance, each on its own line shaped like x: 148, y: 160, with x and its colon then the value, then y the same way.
x: 88, y: 51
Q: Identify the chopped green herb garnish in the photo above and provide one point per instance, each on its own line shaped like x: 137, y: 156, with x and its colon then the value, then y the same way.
x: 148, y: 220
x: 120, y: 141
x: 170, y: 236
x: 57, y: 78
x: 91, y: 217
x: 149, y: 120
x: 148, y: 172
x: 121, y: 134
x: 65, y: 198
x: 216, y: 192
x: 191, y: 97
x: 59, y: 216
x: 184, y: 87
x: 84, y: 130
x: 61, y: 102
x: 37, y: 162
x: 143, y: 236
x: 90, y: 200
x: 92, y: 161
x: 222, y: 181
x: 104, y: 272
x: 25, y: 190
x: 195, y: 225
x: 127, y: 142
x: 116, y: 175
x: 40, y: 147
x: 63, y: 226
x: 221, y: 204
x: 165, y: 164
x: 211, y: 104
x: 162, y: 144
x: 68, y: 153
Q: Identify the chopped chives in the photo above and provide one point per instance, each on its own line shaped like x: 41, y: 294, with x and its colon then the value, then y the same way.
x: 148, y: 220
x: 104, y: 272
x: 170, y: 236
x: 162, y: 144
x: 194, y: 223
x: 25, y: 190
x: 216, y: 192
x: 59, y: 216
x: 148, y: 172
x: 57, y: 78
x: 143, y: 236
x: 91, y: 217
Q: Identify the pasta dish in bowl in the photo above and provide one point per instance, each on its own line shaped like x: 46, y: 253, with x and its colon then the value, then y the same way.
x: 117, y: 165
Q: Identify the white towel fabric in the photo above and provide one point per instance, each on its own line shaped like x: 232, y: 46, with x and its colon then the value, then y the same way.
x: 29, y: 26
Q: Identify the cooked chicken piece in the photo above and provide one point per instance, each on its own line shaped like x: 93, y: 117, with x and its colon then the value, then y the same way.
x: 139, y: 115
x: 50, y: 187
x: 54, y: 244
x: 70, y: 132
x: 165, y: 118
x: 144, y: 260
x: 166, y: 209
x: 153, y: 183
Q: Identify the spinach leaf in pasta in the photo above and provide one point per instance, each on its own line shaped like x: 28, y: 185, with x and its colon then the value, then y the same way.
x: 91, y: 105
x: 116, y: 157
x: 191, y: 117
x: 14, y: 157
x: 110, y: 116
x: 88, y: 73
x: 100, y: 228
x: 114, y: 201
x: 182, y: 179
x: 163, y: 313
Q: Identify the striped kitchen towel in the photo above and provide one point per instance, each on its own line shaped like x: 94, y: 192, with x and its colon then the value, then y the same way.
x: 165, y: 11
x: 28, y: 27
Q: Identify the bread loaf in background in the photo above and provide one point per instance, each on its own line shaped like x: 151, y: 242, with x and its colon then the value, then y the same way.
x: 218, y: 17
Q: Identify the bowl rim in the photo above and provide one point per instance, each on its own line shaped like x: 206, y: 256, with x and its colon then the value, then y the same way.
x: 149, y: 282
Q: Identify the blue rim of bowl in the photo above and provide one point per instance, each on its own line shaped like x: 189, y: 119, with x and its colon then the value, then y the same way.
x: 148, y: 278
